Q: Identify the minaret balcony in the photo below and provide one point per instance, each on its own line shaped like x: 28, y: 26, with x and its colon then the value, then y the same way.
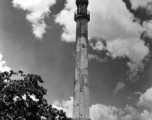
x: 79, y: 15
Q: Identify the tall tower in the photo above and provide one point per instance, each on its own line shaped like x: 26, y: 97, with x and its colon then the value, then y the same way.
x: 81, y: 90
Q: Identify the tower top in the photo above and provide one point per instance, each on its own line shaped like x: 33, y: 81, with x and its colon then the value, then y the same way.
x: 82, y: 2
x: 82, y: 11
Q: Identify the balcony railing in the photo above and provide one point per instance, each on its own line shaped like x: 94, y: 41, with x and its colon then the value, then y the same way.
x: 81, y: 15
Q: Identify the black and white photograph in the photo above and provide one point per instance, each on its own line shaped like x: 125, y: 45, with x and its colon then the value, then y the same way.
x: 75, y: 59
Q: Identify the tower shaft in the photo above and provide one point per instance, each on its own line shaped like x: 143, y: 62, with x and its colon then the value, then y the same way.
x: 81, y: 90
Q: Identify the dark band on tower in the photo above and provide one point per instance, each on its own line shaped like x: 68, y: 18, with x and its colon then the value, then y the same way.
x: 81, y: 90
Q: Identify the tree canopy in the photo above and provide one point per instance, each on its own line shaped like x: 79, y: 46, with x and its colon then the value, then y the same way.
x: 23, y: 98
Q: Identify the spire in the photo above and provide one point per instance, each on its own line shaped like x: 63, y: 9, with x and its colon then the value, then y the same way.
x: 81, y: 83
x: 82, y: 11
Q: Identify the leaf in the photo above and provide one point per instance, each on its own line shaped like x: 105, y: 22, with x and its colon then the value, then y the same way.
x: 24, y: 107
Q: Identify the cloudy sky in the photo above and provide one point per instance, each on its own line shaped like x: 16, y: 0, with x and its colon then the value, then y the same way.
x: 38, y: 36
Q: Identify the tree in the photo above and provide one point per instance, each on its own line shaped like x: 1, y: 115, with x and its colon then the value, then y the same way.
x: 23, y: 99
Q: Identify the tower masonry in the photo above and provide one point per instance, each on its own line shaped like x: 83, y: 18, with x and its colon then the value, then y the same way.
x: 81, y: 90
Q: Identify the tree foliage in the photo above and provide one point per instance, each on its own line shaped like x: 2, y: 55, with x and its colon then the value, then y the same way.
x: 23, y: 98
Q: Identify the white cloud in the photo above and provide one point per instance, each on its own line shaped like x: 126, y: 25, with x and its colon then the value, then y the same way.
x: 148, y: 26
x: 95, y: 57
x: 3, y: 66
x: 37, y: 11
x: 66, y: 106
x: 112, y: 20
x: 139, y: 3
x: 146, y: 115
x: 146, y: 4
x: 134, y: 49
x: 103, y: 112
x: 137, y: 93
x: 97, y: 44
x: 131, y: 113
x: 146, y: 98
x: 120, y: 85
x: 66, y: 19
